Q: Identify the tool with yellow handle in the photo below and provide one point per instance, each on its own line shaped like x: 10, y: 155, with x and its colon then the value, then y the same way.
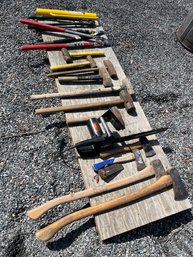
x: 66, y: 14
x: 81, y: 54
x: 68, y: 56
x: 89, y: 62
x: 69, y: 66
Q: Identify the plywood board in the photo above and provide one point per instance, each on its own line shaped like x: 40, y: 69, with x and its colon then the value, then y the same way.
x: 128, y: 217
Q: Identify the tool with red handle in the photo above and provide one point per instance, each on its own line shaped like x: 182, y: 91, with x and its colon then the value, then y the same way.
x: 97, y: 43
x: 43, y: 26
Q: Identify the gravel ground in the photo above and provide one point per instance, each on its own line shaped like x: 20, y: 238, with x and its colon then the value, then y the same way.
x: 37, y: 167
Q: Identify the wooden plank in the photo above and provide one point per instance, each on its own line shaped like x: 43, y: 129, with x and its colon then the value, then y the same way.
x: 138, y: 214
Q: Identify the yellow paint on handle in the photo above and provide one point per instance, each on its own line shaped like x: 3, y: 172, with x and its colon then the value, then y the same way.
x: 94, y: 53
x: 66, y: 14
x: 69, y: 66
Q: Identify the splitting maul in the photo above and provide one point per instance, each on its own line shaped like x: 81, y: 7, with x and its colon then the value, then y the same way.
x: 93, y: 146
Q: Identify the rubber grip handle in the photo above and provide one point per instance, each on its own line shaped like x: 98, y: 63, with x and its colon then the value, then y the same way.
x: 97, y: 166
x: 55, y: 46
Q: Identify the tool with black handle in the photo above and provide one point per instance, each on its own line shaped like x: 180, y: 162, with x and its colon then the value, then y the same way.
x: 93, y: 146
x: 47, y: 27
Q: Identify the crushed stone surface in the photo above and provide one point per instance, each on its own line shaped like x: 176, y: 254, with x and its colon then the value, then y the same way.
x: 36, y: 168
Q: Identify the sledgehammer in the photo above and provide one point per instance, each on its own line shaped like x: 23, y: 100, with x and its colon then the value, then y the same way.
x: 125, y: 100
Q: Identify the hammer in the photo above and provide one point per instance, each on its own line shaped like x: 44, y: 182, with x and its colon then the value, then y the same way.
x: 125, y: 99
x: 154, y: 169
x: 68, y: 56
x: 79, y: 93
x: 75, y: 72
x: 163, y: 182
x: 103, y: 76
x: 90, y: 62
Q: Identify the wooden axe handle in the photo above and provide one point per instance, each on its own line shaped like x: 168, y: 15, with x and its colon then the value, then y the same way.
x: 49, y: 231
x: 79, y: 107
x: 40, y: 210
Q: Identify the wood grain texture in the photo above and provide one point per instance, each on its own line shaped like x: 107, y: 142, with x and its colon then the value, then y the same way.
x: 138, y: 214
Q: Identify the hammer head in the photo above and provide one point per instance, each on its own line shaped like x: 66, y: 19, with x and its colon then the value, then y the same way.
x: 128, y: 101
x: 180, y: 192
x: 66, y: 55
x: 92, y: 61
x: 114, y: 116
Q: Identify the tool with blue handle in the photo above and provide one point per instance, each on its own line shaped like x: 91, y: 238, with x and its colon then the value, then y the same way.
x: 99, y: 165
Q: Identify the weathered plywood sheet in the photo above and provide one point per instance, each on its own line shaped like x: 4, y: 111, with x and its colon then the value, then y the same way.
x: 138, y: 214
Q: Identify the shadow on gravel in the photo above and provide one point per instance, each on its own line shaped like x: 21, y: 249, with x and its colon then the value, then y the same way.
x: 157, y: 229
x: 66, y: 241
x: 44, y: 62
x: 16, y: 246
x: 165, y: 97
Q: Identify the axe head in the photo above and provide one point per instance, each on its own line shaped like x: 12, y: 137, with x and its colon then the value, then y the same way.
x: 158, y: 168
x: 180, y: 192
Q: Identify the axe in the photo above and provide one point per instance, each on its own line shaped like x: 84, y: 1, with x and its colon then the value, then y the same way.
x: 163, y: 182
x: 154, y: 169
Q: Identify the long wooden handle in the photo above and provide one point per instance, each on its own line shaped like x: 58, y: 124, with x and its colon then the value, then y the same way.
x: 72, y: 94
x: 38, y: 211
x: 81, y: 71
x: 120, y: 149
x: 49, y: 231
x: 79, y: 107
x: 126, y: 158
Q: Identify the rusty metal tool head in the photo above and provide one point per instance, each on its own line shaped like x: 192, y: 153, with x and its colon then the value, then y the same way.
x: 111, y: 69
x: 158, y: 168
x: 114, y: 116
x: 139, y: 159
x: 107, y: 82
x: 108, y: 171
x: 128, y: 101
x: 147, y: 147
